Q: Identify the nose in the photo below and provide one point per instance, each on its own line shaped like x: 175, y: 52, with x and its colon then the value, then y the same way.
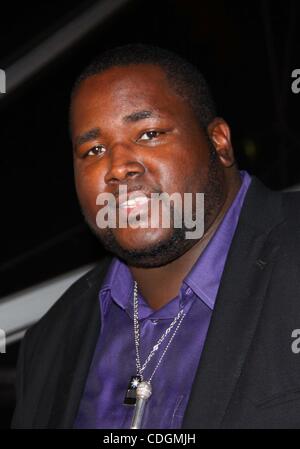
x: 123, y: 165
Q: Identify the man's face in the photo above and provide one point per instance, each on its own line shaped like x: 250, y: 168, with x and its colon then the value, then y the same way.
x: 130, y: 128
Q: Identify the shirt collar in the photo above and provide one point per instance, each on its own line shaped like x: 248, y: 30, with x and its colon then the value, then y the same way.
x: 204, y: 277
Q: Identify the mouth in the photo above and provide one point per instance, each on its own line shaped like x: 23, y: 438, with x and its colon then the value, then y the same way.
x: 133, y: 200
x: 136, y: 203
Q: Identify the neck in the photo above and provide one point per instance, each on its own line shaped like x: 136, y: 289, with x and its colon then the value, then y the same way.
x: 161, y: 284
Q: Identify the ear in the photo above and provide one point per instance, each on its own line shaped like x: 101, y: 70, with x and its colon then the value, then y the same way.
x: 219, y: 133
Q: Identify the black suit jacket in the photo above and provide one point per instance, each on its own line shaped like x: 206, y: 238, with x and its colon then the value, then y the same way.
x: 248, y: 375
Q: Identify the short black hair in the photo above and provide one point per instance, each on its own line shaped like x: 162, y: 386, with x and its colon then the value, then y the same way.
x: 185, y: 79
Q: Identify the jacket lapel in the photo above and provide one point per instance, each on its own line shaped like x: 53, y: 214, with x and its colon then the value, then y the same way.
x: 237, y: 310
x: 81, y: 338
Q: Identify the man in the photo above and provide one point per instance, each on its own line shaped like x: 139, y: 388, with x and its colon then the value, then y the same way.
x: 208, y: 322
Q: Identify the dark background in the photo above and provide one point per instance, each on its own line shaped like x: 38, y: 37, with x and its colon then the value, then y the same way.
x: 247, y: 51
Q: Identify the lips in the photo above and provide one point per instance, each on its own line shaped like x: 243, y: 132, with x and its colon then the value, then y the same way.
x: 138, y: 201
x: 136, y: 198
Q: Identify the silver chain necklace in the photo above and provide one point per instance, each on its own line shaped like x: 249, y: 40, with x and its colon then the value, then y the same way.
x: 140, y: 369
x: 138, y: 388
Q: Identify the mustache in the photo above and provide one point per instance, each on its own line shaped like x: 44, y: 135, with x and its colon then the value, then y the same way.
x: 135, y: 188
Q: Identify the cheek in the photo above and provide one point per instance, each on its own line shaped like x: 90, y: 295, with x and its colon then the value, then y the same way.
x: 89, y: 183
x: 186, y: 171
x: 194, y: 174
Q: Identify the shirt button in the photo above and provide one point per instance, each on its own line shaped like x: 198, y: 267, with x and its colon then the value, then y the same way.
x: 154, y: 321
x: 188, y: 291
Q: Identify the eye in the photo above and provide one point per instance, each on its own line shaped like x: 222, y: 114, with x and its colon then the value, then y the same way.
x: 149, y: 135
x: 98, y: 150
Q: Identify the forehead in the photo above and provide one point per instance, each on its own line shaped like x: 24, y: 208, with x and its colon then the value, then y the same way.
x: 132, y: 78
x: 119, y: 89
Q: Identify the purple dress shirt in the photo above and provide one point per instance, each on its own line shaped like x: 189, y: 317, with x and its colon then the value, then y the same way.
x: 113, y: 362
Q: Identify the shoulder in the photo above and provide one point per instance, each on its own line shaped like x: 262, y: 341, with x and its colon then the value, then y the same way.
x: 75, y: 302
x: 265, y: 208
x: 291, y: 204
x: 290, y: 237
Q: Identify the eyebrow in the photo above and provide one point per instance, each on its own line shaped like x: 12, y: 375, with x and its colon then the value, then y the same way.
x: 138, y: 115
x: 94, y: 133
x: 87, y: 136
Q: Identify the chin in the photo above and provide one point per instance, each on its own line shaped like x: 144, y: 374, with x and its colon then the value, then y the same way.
x: 141, y: 239
x: 147, y: 252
